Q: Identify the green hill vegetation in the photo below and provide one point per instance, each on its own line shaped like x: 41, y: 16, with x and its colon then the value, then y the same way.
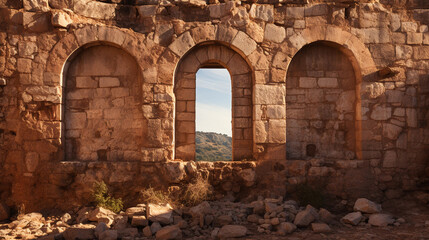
x: 212, y: 146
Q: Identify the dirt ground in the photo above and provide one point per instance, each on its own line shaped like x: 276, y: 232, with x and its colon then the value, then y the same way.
x: 416, y: 214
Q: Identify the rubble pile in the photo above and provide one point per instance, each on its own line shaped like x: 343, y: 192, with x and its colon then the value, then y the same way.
x: 214, y: 219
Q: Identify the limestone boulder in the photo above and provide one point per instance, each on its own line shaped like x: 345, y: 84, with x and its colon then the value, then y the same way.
x: 200, y: 210
x: 304, y: 218
x: 135, y: 211
x: 147, y: 232
x: 139, y: 221
x: 100, y: 214
x: 232, y: 231
x: 366, y: 206
x: 160, y: 213
x: 101, y: 227
x: 155, y: 227
x: 36, y: 5
x: 320, y: 228
x: 79, y: 231
x: 352, y: 218
x: 61, y: 19
x: 169, y: 232
x: 380, y: 220
x: 109, y: 235
x: 286, y: 227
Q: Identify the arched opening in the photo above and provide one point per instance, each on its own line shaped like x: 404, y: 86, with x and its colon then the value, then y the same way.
x: 213, y: 138
x: 213, y: 55
x: 323, y: 103
x: 102, y: 117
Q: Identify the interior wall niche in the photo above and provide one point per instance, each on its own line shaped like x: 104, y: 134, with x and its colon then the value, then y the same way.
x: 213, y: 55
x: 321, y: 102
x: 103, y: 119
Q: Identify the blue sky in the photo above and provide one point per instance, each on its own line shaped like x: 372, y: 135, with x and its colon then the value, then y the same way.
x: 213, y: 105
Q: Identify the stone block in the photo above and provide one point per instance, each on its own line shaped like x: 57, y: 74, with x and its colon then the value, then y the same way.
x: 182, y: 44
x: 421, y: 52
x: 255, y: 31
x: 414, y: 38
x: 262, y: 12
x: 107, y: 82
x: 27, y: 49
x: 221, y: 10
x: 411, y: 117
x: 120, y: 92
x: 409, y: 27
x: 328, y: 82
x: 307, y: 82
x: 245, y: 43
x: 146, y: 11
x: 295, y: 12
x: 274, y: 33
x: 352, y: 218
x: 316, y: 10
x: 389, y: 160
x: 381, y: 113
x: 31, y: 161
x: 277, y: 131
x: 24, y: 65
x: 61, y: 19
x: 86, y: 82
x: 95, y: 9
x: 269, y: 94
x: 36, y: 5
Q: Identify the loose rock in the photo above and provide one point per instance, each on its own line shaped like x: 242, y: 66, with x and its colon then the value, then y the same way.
x: 232, y: 231
x: 366, y: 206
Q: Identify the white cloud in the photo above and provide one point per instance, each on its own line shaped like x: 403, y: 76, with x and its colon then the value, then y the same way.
x: 212, y: 118
x: 214, y: 79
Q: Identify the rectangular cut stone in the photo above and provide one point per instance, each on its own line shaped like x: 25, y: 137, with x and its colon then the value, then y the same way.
x: 414, y: 38
x: 270, y: 94
x: 306, y: 82
x: 295, y: 12
x: 421, y: 52
x: 277, y: 131
x: 109, y: 82
x: 75, y: 120
x: 244, y: 43
x: 328, y: 82
x: 120, y: 92
x: 86, y: 82
x: 113, y: 113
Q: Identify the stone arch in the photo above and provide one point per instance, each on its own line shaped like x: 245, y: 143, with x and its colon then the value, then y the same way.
x: 358, y: 55
x: 213, y: 54
x: 351, y: 45
x: 98, y: 99
x: 85, y: 36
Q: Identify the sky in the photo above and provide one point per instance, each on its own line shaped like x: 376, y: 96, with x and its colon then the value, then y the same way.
x: 213, y: 105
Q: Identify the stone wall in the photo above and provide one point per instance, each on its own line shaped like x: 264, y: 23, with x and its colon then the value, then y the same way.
x: 105, y: 90
x: 321, y: 104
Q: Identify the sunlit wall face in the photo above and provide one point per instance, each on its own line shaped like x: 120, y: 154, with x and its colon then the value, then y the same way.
x: 213, y: 101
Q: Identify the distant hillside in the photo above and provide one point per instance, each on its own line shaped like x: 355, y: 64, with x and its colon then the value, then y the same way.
x: 213, y: 147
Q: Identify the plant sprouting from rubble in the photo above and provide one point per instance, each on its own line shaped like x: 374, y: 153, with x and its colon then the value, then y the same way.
x: 150, y: 195
x: 196, y: 192
x: 103, y: 199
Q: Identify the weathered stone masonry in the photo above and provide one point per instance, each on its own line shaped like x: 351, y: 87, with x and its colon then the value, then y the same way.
x: 327, y: 93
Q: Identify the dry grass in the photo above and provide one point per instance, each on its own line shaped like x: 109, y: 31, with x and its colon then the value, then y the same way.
x: 189, y: 195
x: 150, y: 195
x: 196, y: 192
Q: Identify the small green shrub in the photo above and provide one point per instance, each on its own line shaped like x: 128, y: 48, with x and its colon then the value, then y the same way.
x: 307, y: 194
x: 103, y: 199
